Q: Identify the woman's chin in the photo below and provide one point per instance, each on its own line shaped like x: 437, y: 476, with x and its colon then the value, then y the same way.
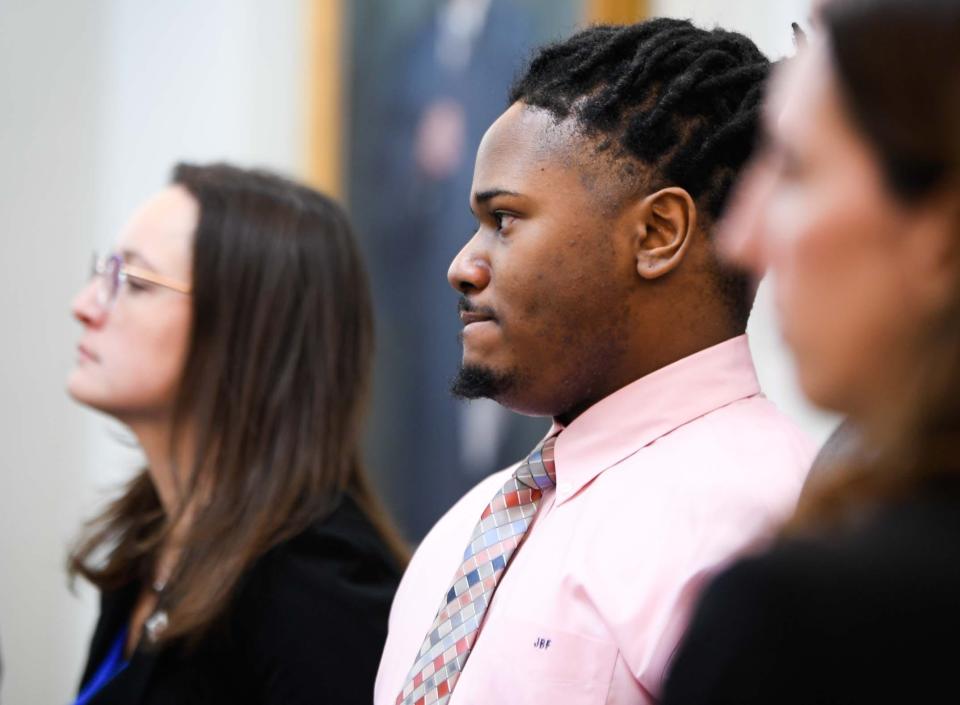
x: 83, y: 392
x: 75, y: 386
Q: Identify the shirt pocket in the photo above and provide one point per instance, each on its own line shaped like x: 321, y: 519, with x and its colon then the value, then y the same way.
x: 545, y: 665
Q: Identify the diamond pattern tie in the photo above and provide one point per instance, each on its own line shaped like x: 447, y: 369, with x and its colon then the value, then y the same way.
x: 502, y: 528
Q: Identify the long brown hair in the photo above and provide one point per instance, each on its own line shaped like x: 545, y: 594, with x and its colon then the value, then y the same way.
x: 898, y: 65
x: 272, y: 395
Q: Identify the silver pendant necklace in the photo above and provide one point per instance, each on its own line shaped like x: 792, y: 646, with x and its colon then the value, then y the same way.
x: 157, y: 622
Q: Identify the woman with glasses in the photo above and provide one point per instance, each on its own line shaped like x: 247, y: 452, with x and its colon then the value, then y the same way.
x: 231, y: 331
x: 854, y: 205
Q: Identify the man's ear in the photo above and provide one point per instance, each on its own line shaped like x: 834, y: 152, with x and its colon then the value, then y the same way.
x: 665, y: 223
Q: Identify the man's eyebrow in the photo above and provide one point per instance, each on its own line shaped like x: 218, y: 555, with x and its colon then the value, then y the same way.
x: 484, y: 196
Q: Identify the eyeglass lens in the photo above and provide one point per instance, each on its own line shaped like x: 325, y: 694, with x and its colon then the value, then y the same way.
x: 108, y: 271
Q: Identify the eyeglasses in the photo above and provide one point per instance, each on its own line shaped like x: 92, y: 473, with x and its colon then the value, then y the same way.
x: 111, y: 272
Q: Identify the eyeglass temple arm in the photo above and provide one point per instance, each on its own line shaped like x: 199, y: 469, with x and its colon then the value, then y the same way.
x: 155, y: 278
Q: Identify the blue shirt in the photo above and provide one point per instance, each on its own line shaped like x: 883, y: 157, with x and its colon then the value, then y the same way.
x: 111, y: 667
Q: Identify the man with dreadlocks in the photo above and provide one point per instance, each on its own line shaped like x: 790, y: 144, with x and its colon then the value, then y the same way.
x: 591, y: 293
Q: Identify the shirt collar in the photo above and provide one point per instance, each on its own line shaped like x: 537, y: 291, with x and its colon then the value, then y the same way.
x: 636, y: 415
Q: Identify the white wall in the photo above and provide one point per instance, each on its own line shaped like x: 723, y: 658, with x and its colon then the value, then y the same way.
x: 49, y: 83
x: 98, y: 99
x: 767, y: 22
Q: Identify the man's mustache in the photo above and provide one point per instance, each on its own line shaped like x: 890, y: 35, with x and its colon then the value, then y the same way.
x: 465, y: 305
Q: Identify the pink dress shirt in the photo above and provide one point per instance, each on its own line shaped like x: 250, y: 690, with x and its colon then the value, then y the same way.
x: 657, y: 485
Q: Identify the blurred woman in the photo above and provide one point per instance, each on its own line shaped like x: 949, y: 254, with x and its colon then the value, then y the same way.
x: 231, y: 332
x: 854, y: 205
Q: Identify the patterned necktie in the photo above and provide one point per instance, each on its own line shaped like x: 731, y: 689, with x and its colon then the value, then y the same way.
x: 495, y: 539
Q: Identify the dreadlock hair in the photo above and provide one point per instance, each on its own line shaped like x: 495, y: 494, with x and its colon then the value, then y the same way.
x: 682, y: 101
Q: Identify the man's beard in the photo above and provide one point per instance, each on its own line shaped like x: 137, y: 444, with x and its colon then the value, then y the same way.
x: 474, y: 382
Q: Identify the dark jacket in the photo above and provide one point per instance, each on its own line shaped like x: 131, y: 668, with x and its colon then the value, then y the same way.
x: 307, y: 625
x: 867, y: 615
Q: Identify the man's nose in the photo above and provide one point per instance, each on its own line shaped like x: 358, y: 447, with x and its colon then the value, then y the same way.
x: 470, y: 270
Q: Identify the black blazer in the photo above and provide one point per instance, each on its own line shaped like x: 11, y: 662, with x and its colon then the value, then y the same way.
x: 307, y: 625
x: 869, y: 615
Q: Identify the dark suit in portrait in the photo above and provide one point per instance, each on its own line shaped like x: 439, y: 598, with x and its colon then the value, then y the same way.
x: 443, y: 88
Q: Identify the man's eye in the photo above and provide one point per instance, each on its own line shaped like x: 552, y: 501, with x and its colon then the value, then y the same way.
x: 136, y: 285
x: 503, y: 220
